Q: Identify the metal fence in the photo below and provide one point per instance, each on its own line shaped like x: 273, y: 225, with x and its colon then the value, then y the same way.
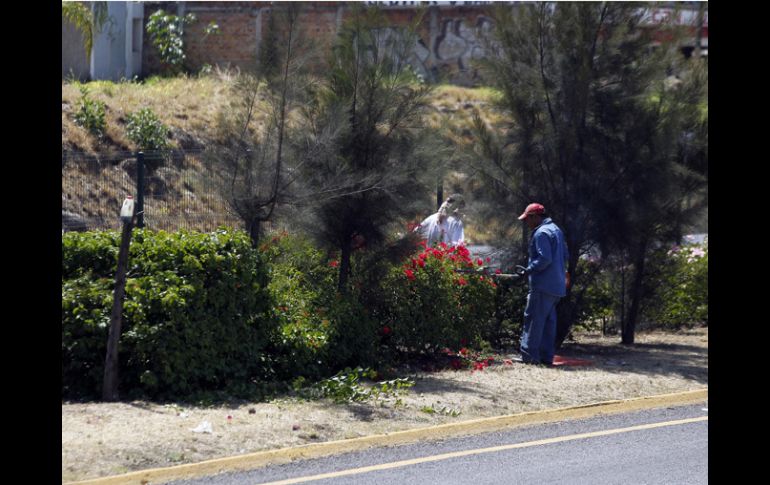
x: 178, y: 190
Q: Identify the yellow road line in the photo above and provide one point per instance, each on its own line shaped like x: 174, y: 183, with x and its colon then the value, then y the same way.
x: 457, y: 454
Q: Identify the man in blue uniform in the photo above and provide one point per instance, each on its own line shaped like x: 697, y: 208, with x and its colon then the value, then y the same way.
x: 548, y: 281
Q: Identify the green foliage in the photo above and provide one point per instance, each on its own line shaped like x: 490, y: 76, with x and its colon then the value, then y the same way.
x: 165, y: 31
x: 445, y: 410
x: 195, y: 316
x: 345, y: 387
x: 146, y: 130
x: 593, y: 131
x: 429, y: 306
x: 595, y: 307
x: 679, y: 296
x: 90, y: 114
x: 365, y: 152
x: 321, y: 331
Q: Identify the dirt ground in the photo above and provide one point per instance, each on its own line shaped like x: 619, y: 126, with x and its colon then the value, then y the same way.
x: 102, y: 439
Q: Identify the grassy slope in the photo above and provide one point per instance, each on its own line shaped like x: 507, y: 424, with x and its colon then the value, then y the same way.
x: 189, y: 107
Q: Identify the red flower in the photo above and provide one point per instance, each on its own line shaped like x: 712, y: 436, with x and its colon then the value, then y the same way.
x: 421, y: 263
x: 461, y: 281
x: 463, y: 351
x: 489, y: 259
x: 480, y: 262
x: 497, y: 271
x: 409, y: 274
x: 492, y: 284
x: 334, y: 264
x: 385, y: 330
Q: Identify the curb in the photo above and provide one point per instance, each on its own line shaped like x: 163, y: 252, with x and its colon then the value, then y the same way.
x: 317, y: 450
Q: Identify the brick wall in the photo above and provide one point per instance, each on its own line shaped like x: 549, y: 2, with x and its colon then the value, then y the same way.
x: 447, y: 40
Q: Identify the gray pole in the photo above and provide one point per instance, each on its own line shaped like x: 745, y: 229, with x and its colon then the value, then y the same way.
x: 140, y: 189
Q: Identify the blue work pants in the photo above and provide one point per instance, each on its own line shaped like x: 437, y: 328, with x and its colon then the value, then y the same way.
x: 538, y: 337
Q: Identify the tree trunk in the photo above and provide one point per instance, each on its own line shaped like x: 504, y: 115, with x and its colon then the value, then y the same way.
x: 344, y: 267
x: 255, y: 230
x: 629, y: 326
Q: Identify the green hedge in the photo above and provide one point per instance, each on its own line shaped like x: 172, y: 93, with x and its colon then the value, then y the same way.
x: 195, y: 317
x: 320, y: 331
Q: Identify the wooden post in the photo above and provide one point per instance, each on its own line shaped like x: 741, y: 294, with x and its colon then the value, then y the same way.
x: 110, y: 386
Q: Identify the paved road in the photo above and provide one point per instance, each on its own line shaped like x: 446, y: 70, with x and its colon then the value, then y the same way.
x: 662, y: 446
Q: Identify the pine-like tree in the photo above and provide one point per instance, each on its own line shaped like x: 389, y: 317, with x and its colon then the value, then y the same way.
x: 594, y: 133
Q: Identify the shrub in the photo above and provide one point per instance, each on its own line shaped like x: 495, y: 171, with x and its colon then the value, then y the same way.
x: 146, y: 130
x: 165, y: 32
x: 596, y: 307
x: 430, y: 306
x: 320, y: 331
x: 194, y: 317
x: 679, y: 296
x: 90, y: 114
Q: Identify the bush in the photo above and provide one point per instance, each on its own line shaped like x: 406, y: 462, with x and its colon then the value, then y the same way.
x: 146, y: 130
x: 430, y: 306
x: 679, y: 296
x: 90, y: 114
x: 195, y: 317
x: 596, y: 308
x: 320, y: 331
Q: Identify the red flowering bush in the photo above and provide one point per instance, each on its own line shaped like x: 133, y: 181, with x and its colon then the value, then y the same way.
x: 428, y: 305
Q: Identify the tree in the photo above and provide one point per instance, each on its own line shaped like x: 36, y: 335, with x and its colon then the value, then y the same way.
x: 251, y: 161
x: 591, y: 133
x: 366, y: 156
x: 166, y: 33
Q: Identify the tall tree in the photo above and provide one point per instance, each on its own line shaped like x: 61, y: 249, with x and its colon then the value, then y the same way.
x: 366, y: 154
x: 591, y: 134
x: 250, y: 152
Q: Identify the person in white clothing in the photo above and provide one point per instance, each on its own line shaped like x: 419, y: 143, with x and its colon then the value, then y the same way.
x: 446, y: 225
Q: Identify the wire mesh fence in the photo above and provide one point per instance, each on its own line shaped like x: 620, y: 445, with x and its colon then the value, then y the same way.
x: 180, y: 191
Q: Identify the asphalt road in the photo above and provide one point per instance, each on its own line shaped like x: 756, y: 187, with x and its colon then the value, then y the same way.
x: 658, y: 446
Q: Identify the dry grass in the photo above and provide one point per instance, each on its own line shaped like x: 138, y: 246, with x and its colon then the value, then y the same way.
x: 186, y: 105
x: 189, y: 107
x: 101, y: 439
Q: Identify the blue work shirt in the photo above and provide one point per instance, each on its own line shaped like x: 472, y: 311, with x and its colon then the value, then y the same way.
x: 548, y: 259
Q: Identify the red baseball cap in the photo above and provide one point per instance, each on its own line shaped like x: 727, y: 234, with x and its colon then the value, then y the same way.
x: 533, y: 208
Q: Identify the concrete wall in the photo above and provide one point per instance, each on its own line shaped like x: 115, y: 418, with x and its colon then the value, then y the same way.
x: 73, y: 54
x: 115, y: 54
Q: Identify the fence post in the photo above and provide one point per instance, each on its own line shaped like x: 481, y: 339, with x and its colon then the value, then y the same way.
x: 110, y: 383
x: 140, y: 190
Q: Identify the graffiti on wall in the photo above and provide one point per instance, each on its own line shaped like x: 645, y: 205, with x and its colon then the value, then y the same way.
x: 454, y: 48
x: 458, y: 44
